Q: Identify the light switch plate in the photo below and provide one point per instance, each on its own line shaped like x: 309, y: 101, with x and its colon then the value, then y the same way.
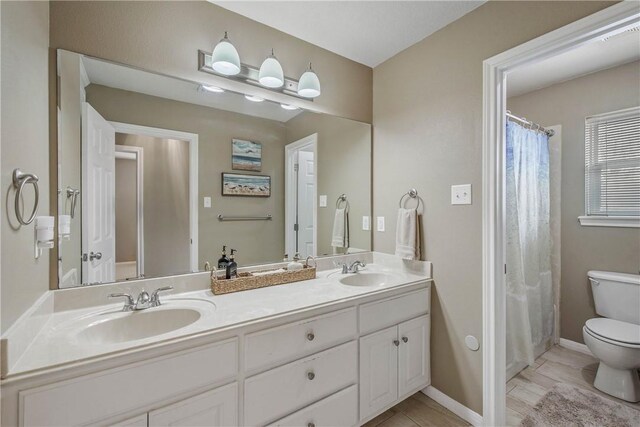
x: 323, y: 201
x: 461, y: 194
x: 207, y: 202
x: 366, y: 225
x: 380, y: 223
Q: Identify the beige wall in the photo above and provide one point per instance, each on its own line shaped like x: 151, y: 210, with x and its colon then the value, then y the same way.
x: 343, y: 166
x: 165, y: 37
x: 428, y: 135
x: 24, y: 144
x: 256, y: 241
x: 584, y: 248
x: 126, y: 209
x: 166, y: 200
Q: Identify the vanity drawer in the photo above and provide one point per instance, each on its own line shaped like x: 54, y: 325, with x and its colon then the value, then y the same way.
x: 285, y: 343
x: 339, y: 409
x: 280, y: 391
x: 104, y: 395
x: 380, y: 314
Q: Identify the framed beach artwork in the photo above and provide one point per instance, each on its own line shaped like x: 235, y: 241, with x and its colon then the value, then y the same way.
x: 246, y: 155
x: 235, y: 184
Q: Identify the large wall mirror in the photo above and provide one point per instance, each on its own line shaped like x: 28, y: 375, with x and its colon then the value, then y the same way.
x: 156, y: 174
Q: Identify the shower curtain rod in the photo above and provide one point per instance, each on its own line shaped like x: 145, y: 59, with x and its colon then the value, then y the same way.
x: 549, y: 132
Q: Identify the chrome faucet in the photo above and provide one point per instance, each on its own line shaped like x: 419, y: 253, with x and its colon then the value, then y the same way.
x: 143, y: 301
x: 353, y: 268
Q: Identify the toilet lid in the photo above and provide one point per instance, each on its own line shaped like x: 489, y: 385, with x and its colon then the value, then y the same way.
x: 615, y: 330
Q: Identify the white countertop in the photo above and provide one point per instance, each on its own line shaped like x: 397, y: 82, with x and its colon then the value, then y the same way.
x: 57, y: 343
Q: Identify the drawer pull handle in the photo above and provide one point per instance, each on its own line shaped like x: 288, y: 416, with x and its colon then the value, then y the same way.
x: 405, y: 339
x: 310, y: 336
x: 311, y: 375
x: 311, y: 425
x: 396, y: 343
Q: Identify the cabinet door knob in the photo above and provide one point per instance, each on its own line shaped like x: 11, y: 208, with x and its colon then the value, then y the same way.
x: 405, y: 339
x: 311, y: 425
x: 311, y: 375
x: 310, y: 336
x: 396, y: 343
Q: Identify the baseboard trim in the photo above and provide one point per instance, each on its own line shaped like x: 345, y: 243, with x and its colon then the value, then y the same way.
x: 575, y: 346
x: 454, y: 406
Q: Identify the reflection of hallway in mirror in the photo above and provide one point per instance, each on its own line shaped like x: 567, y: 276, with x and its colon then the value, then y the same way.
x: 300, y: 198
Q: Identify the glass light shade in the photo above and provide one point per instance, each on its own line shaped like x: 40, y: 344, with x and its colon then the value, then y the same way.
x: 214, y: 89
x: 253, y: 98
x: 225, y: 59
x: 309, y: 84
x: 271, y: 74
x: 288, y: 107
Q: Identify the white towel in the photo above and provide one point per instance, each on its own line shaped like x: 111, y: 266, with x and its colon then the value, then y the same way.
x: 340, y: 235
x: 408, y: 234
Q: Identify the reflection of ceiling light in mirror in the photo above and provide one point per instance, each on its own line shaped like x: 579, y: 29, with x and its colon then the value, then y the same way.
x: 225, y: 59
x: 271, y: 74
x: 288, y: 107
x: 214, y: 89
x: 309, y: 84
x: 254, y: 98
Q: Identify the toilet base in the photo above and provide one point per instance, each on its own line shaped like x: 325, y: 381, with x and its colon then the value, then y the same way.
x: 621, y: 383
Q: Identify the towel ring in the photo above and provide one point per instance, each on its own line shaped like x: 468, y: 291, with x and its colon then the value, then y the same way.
x: 412, y: 194
x: 342, y: 198
x: 20, y: 179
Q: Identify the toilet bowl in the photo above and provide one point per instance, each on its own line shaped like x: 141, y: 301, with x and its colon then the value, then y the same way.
x: 615, y: 338
x: 617, y: 345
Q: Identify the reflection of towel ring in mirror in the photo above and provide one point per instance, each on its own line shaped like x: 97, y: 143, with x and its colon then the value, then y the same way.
x: 20, y: 179
x: 342, y: 198
x: 73, y: 194
x: 412, y: 194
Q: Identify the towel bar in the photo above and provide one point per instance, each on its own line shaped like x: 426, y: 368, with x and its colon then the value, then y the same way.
x: 244, y: 218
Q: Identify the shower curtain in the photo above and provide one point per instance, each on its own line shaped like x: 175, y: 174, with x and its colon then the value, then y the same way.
x: 530, y: 311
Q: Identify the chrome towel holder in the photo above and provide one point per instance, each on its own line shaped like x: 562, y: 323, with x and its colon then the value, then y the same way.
x: 20, y: 179
x: 412, y: 194
x: 342, y: 198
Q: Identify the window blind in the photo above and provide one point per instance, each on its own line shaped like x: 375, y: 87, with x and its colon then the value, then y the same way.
x: 612, y: 163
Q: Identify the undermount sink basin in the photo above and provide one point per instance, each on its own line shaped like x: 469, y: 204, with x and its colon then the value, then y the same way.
x: 366, y: 279
x: 135, y: 325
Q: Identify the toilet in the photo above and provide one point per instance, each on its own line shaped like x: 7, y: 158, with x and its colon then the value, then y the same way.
x: 614, y: 339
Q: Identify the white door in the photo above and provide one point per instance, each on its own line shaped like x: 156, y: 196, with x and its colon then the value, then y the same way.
x: 98, y: 197
x: 214, y: 408
x: 378, y: 371
x: 413, y: 365
x: 306, y: 200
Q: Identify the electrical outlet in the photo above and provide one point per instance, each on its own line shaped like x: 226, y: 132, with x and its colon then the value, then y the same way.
x: 380, y: 223
x: 207, y: 202
x: 461, y: 194
x: 323, y: 201
x: 366, y: 226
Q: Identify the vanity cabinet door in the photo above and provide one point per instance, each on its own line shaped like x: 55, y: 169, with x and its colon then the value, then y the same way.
x: 378, y: 371
x: 413, y: 364
x: 214, y: 408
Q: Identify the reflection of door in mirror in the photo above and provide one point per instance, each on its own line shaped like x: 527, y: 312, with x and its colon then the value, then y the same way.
x: 301, y: 184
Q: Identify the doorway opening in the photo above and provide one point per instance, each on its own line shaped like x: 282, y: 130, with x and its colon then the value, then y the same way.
x: 301, y: 183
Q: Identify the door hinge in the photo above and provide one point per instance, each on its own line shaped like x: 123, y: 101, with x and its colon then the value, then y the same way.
x: 296, y: 167
x: 505, y: 269
x: 295, y: 227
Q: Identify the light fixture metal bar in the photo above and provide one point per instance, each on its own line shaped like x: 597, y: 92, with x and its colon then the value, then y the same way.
x: 249, y: 74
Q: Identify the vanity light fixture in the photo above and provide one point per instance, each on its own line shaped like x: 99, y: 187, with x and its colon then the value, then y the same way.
x: 309, y: 84
x: 288, y: 107
x: 254, y: 98
x: 213, y: 89
x: 225, y: 59
x: 271, y: 74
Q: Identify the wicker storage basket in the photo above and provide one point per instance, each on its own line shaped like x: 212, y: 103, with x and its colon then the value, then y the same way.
x: 247, y: 281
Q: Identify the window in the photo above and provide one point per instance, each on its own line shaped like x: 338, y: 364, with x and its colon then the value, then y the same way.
x: 612, y: 169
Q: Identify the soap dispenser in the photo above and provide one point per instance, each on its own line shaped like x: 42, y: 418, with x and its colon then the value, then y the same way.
x: 295, y: 265
x: 223, y: 261
x: 232, y: 266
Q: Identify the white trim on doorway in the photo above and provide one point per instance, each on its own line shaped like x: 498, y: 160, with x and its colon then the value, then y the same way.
x: 137, y: 154
x: 614, y: 19
x: 192, y: 139
x: 290, y: 181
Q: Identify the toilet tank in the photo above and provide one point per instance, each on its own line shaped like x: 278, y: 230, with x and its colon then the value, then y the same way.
x: 616, y: 295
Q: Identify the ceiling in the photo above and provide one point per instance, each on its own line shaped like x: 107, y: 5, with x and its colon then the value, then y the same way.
x: 368, y: 32
x: 135, y: 80
x: 591, y: 57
